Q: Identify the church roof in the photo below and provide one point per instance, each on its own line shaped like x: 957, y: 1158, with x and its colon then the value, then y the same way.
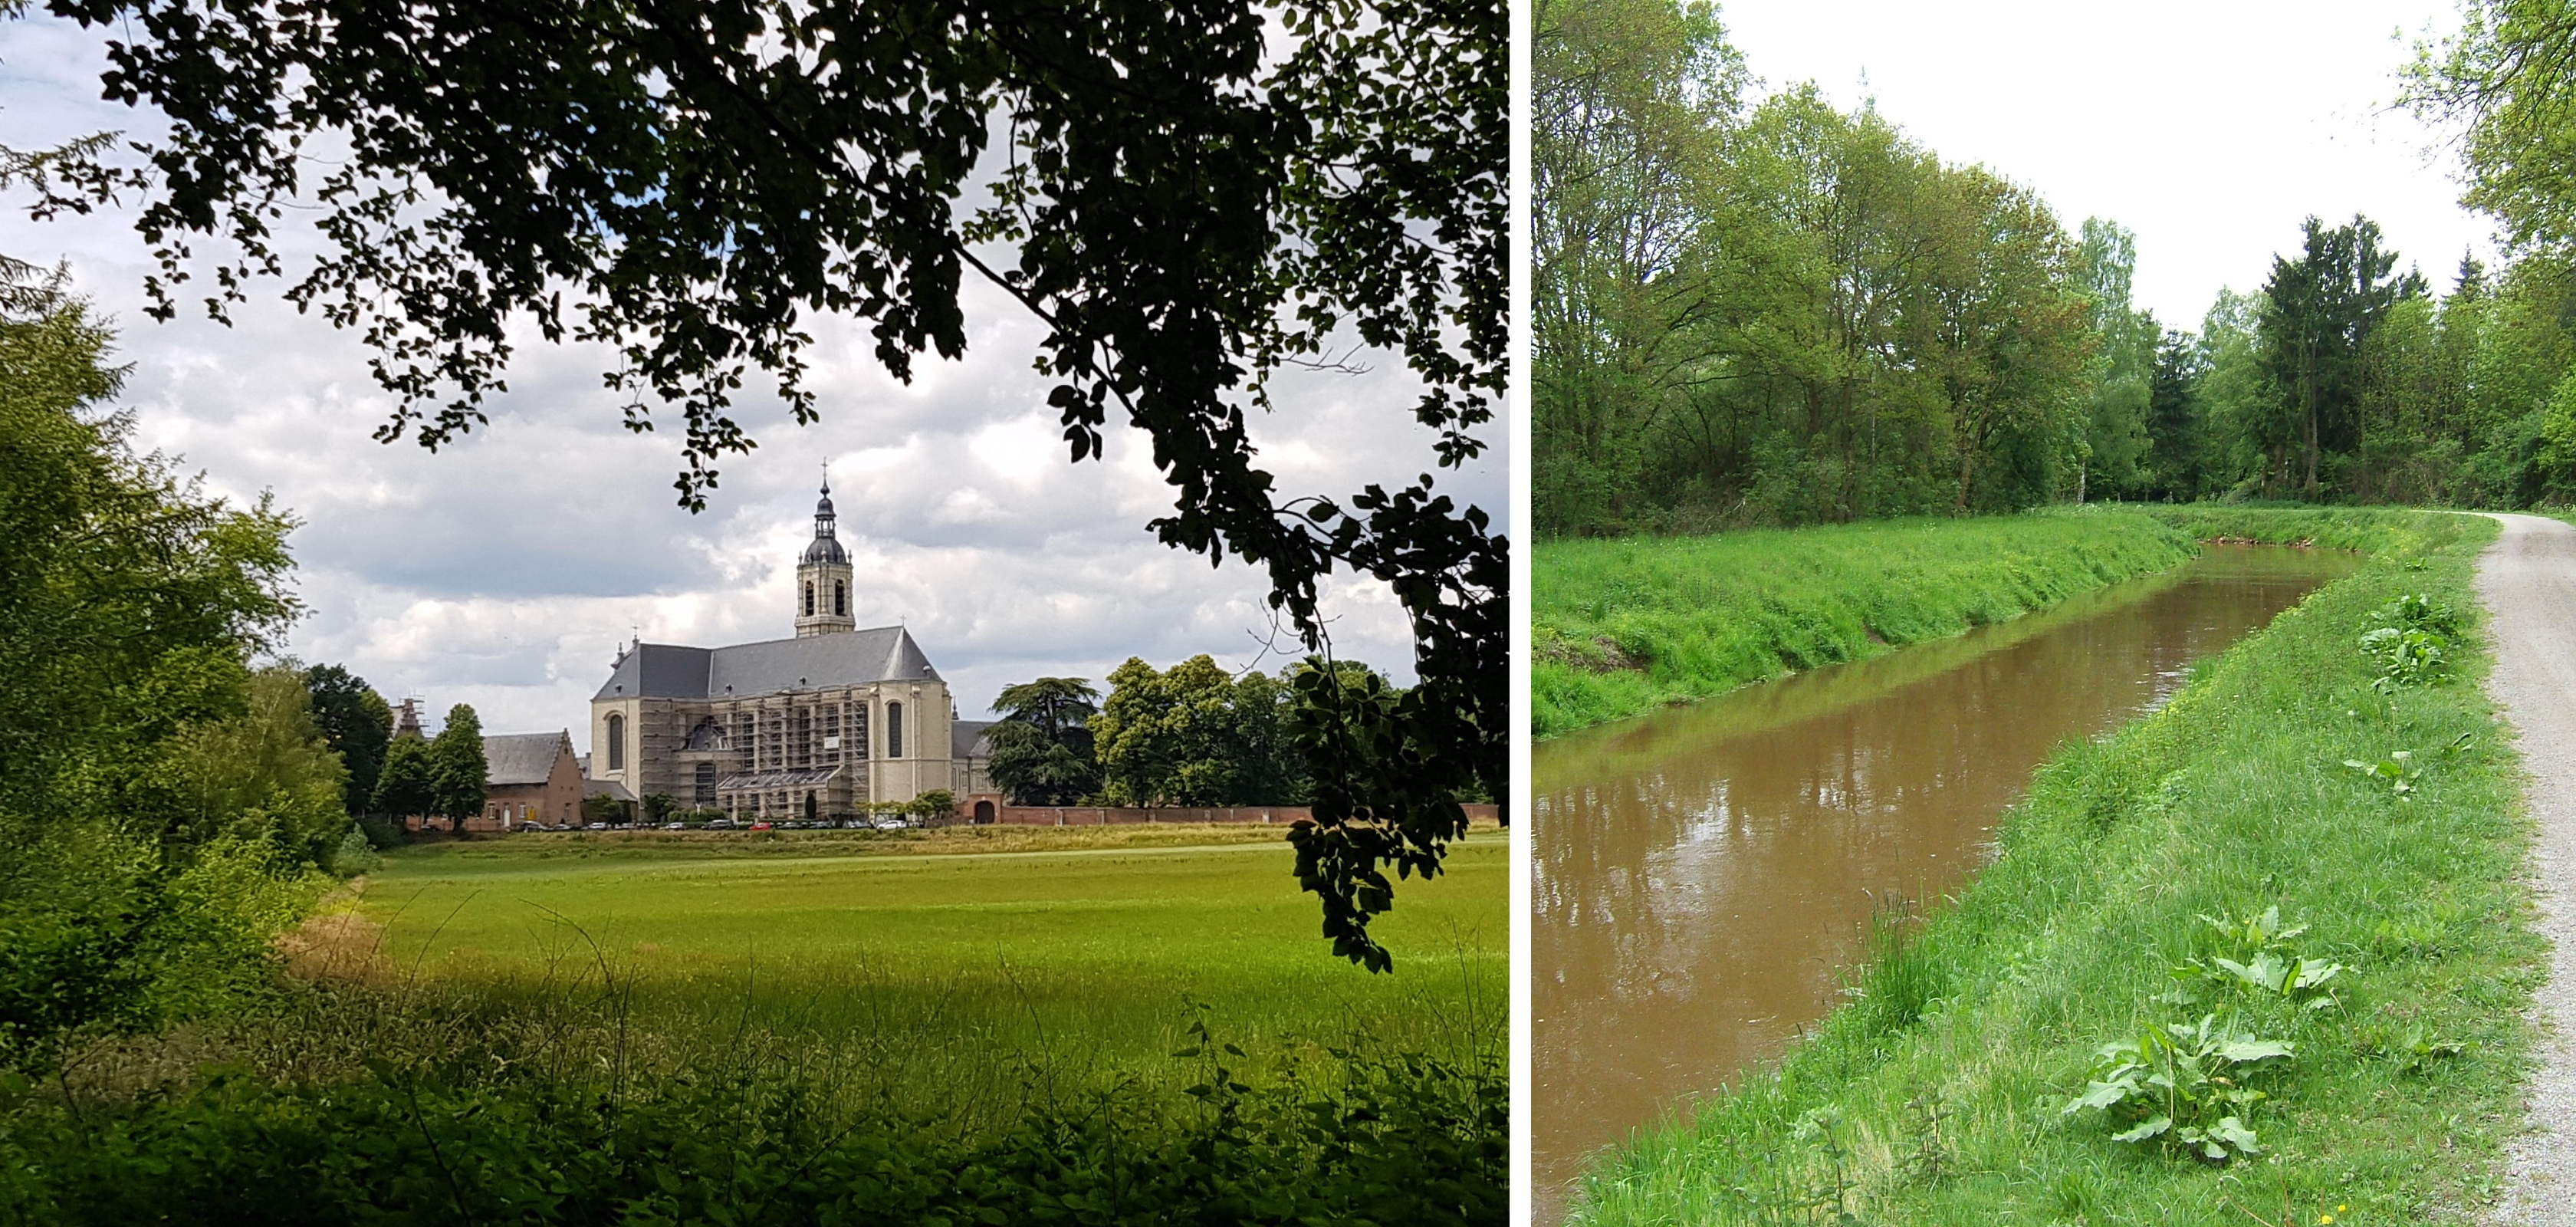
x: 848, y: 658
x: 522, y: 758
x: 966, y: 738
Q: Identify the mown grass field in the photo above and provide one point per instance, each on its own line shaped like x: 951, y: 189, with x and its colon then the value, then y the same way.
x: 1939, y: 1096
x: 1096, y: 939
x: 1622, y: 626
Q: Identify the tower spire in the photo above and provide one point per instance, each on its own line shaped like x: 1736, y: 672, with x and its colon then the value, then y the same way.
x: 825, y: 592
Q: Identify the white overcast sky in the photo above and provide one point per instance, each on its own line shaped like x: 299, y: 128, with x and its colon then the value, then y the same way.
x: 503, y: 573
x: 2210, y: 127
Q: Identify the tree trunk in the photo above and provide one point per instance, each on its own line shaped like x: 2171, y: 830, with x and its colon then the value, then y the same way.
x: 1967, y: 456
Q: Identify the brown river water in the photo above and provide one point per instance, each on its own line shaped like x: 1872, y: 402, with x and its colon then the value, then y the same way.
x: 1705, y: 875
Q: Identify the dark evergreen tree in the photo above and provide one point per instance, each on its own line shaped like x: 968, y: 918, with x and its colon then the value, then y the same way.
x: 2321, y: 308
x: 1042, y: 750
x: 357, y: 722
x: 2177, y: 435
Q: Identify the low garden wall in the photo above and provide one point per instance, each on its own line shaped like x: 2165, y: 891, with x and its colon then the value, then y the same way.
x: 1096, y: 815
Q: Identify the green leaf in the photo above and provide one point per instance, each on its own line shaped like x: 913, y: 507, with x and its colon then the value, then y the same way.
x: 2146, y: 1130
x: 2234, y: 1133
x: 2099, y: 1095
x: 2243, y: 1051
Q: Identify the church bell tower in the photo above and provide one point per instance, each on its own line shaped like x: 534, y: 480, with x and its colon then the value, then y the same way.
x: 824, y: 599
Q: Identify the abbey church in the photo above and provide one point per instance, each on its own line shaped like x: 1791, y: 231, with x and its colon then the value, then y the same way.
x: 819, y: 724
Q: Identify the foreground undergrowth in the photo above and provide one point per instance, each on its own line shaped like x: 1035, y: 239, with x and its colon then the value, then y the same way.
x: 1144, y: 1036
x: 2354, y: 1054
x: 1622, y: 626
x: 598, y: 1104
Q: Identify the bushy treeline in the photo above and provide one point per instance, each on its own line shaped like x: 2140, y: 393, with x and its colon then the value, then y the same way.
x: 2341, y: 380
x: 1779, y: 312
x: 1194, y: 734
x: 1768, y: 311
x: 164, y: 804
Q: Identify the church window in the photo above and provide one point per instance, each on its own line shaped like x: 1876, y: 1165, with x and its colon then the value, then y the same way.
x: 706, y: 791
x: 616, y: 742
x: 894, y: 730
x: 809, y: 598
x: 840, y: 599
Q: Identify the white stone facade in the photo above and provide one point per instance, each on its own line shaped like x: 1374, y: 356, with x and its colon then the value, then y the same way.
x: 822, y: 724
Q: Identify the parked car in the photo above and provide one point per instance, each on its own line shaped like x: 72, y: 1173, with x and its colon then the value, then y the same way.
x: 719, y: 824
x: 760, y: 826
x: 595, y: 826
x: 892, y: 824
x: 675, y: 826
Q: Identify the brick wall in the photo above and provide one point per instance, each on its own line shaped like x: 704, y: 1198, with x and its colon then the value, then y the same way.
x: 1092, y: 815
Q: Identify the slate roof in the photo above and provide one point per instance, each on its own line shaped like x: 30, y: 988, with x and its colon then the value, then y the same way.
x: 610, y: 789
x: 522, y: 758
x: 669, y: 671
x: 966, y: 738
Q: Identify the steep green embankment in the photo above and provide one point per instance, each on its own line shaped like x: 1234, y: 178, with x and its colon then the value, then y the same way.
x: 1938, y: 1096
x: 1623, y: 626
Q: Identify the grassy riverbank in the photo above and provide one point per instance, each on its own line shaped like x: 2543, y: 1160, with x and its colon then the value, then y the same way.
x: 1623, y: 626
x: 1938, y: 1095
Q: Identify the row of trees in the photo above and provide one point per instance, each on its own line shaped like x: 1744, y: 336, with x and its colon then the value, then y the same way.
x: 437, y: 777
x: 164, y: 801
x: 389, y: 777
x: 2343, y: 380
x: 1775, y: 312
x: 1193, y: 734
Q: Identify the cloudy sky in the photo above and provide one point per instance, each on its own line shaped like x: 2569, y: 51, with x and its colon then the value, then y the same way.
x: 504, y: 572
x: 2210, y: 127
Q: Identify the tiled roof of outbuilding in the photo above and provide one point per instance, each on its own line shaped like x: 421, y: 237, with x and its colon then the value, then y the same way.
x: 522, y: 758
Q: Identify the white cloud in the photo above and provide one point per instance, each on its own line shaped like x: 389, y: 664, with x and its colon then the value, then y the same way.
x: 503, y: 571
x: 2210, y: 127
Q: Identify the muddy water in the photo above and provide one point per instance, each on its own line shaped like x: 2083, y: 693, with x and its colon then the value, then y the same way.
x: 1704, y: 874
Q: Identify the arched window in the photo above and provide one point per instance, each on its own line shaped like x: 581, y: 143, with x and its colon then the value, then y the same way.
x: 809, y: 598
x: 894, y: 730
x: 616, y: 742
x: 840, y: 599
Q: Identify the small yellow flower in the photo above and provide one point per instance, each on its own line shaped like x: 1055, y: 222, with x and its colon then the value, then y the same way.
x: 2341, y: 1209
x: 2323, y: 1219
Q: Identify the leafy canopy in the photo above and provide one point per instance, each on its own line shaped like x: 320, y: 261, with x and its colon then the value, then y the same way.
x: 1188, y: 196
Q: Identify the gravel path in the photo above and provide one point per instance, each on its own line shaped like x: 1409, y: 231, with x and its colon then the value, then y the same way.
x: 2528, y: 581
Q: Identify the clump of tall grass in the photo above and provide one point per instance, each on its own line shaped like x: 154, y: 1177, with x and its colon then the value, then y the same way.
x: 604, y: 1098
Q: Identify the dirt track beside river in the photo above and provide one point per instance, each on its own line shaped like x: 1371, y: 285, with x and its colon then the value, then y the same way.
x: 2528, y: 581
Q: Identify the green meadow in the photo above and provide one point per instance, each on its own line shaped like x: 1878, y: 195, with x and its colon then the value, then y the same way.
x: 943, y: 1028
x: 1115, y: 945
